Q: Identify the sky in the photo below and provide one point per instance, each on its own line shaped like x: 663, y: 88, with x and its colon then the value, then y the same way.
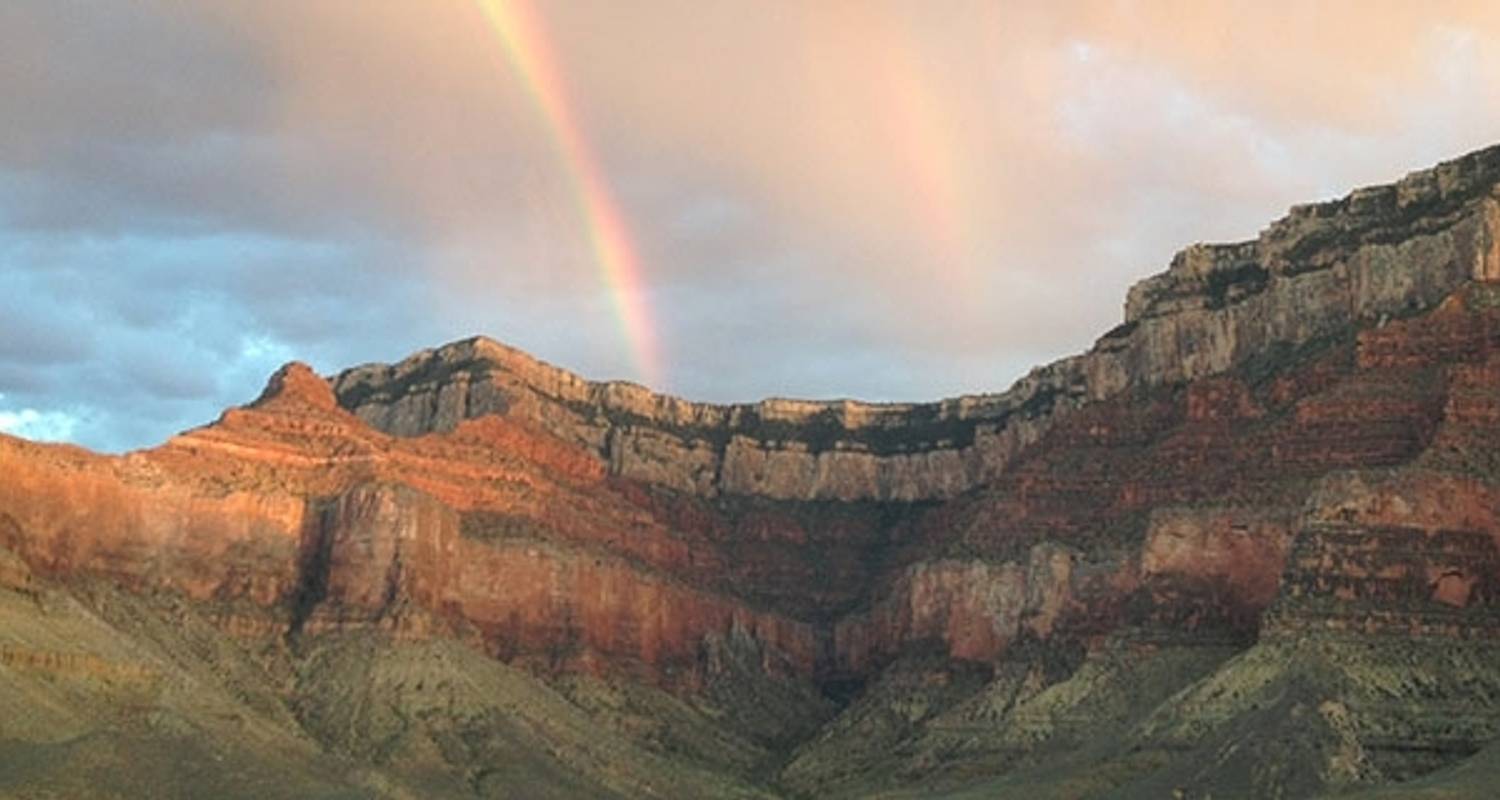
x: 723, y: 200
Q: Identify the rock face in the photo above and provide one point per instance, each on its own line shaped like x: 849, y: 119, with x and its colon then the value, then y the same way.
x: 1287, y: 447
x: 1310, y: 276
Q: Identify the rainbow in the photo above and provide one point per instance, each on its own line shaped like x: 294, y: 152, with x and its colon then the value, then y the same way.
x: 926, y: 147
x: 526, y: 47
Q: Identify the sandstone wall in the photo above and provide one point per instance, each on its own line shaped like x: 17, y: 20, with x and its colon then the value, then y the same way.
x: 65, y: 511
x: 386, y: 555
x: 511, y: 504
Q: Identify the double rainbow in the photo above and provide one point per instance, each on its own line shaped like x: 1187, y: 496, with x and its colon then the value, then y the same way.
x: 526, y: 47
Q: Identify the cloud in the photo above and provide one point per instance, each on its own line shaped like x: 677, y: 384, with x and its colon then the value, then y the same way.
x: 885, y: 199
x: 43, y: 426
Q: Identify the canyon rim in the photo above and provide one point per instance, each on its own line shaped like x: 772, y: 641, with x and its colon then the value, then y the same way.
x: 1244, y: 546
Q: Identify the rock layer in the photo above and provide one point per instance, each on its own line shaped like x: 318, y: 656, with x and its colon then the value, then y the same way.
x: 1287, y: 439
x: 1381, y: 252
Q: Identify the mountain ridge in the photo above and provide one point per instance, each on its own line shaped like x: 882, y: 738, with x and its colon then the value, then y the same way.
x: 1255, y: 524
x: 1445, y: 188
x: 1321, y: 268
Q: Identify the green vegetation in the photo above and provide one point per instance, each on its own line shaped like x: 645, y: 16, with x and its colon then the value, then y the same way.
x: 105, y: 693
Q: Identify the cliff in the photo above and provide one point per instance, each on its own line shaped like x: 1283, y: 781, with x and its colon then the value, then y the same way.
x: 1205, y: 525
x: 1379, y: 253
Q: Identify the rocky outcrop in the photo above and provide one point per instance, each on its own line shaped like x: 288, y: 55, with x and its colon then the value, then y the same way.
x: 388, y: 556
x: 1287, y: 439
x: 289, y: 516
x: 1240, y: 551
x: 73, y: 512
x: 973, y: 609
x: 1379, y: 253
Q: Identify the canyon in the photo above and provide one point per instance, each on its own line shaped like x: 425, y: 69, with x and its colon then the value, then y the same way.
x: 1245, y: 545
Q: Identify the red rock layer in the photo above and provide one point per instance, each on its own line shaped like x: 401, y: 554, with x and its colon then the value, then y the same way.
x: 1391, y: 580
x: 1178, y: 509
x: 1171, y: 508
x: 1157, y: 482
x: 292, y: 515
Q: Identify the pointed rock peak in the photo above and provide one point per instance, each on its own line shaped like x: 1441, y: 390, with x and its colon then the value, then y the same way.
x: 296, y: 382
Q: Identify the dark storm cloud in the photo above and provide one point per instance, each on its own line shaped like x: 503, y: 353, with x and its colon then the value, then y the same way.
x: 38, y: 336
